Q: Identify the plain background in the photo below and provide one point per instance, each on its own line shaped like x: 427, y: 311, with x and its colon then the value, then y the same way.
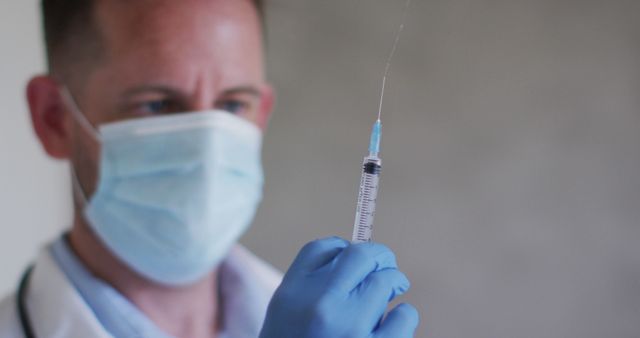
x: 511, y: 149
x: 34, y: 190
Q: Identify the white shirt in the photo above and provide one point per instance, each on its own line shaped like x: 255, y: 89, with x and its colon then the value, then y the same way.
x: 57, y: 309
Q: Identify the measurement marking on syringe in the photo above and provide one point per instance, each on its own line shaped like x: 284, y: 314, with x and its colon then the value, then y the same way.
x: 365, y: 210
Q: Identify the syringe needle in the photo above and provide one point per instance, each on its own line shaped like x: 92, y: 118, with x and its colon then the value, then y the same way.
x: 391, y: 54
x: 384, y: 81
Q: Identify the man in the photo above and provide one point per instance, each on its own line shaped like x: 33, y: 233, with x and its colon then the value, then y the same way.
x: 160, y: 105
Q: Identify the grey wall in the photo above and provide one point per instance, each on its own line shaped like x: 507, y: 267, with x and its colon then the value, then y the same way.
x: 511, y: 150
x: 34, y: 198
x: 510, y: 188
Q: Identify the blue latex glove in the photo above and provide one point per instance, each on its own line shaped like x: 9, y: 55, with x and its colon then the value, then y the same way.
x: 336, y: 290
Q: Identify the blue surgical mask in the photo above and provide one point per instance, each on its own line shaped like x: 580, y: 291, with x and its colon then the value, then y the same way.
x: 174, y: 192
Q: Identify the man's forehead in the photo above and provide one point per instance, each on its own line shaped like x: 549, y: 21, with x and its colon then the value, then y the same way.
x: 128, y: 5
x: 226, y: 32
x: 192, y: 46
x: 166, y: 18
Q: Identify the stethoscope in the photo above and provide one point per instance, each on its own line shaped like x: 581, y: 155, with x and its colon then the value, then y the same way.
x: 23, y: 315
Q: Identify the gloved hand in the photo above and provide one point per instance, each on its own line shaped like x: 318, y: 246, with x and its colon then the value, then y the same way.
x: 335, y: 289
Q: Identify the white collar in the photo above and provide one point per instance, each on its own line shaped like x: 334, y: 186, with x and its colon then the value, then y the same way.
x: 57, y: 310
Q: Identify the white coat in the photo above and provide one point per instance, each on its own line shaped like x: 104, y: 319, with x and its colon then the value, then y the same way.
x: 57, y: 310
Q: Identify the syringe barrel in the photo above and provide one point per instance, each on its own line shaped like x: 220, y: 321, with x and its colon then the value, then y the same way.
x: 366, y: 207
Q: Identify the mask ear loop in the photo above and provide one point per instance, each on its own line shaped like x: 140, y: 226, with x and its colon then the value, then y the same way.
x: 77, y: 115
x: 89, y: 128
x: 77, y: 188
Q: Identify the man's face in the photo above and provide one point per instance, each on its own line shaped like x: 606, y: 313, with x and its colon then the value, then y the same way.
x: 168, y: 56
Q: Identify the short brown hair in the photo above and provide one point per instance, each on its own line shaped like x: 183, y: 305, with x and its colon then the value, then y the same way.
x: 69, y: 26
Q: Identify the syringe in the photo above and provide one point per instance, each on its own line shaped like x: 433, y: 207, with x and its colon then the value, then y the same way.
x: 366, y: 208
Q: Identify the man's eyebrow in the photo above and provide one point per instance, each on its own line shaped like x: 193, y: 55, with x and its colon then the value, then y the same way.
x: 251, y: 90
x: 151, y: 88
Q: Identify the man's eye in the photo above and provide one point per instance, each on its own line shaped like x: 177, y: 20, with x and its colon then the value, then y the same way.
x: 155, y: 107
x: 233, y: 106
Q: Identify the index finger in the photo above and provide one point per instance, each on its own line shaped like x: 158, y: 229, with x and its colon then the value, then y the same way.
x: 318, y: 253
x: 357, y: 261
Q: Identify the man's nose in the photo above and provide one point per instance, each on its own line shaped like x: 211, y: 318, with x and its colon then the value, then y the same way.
x: 204, y: 97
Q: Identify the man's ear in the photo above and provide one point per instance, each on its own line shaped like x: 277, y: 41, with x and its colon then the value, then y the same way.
x: 49, y: 116
x: 267, y: 103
